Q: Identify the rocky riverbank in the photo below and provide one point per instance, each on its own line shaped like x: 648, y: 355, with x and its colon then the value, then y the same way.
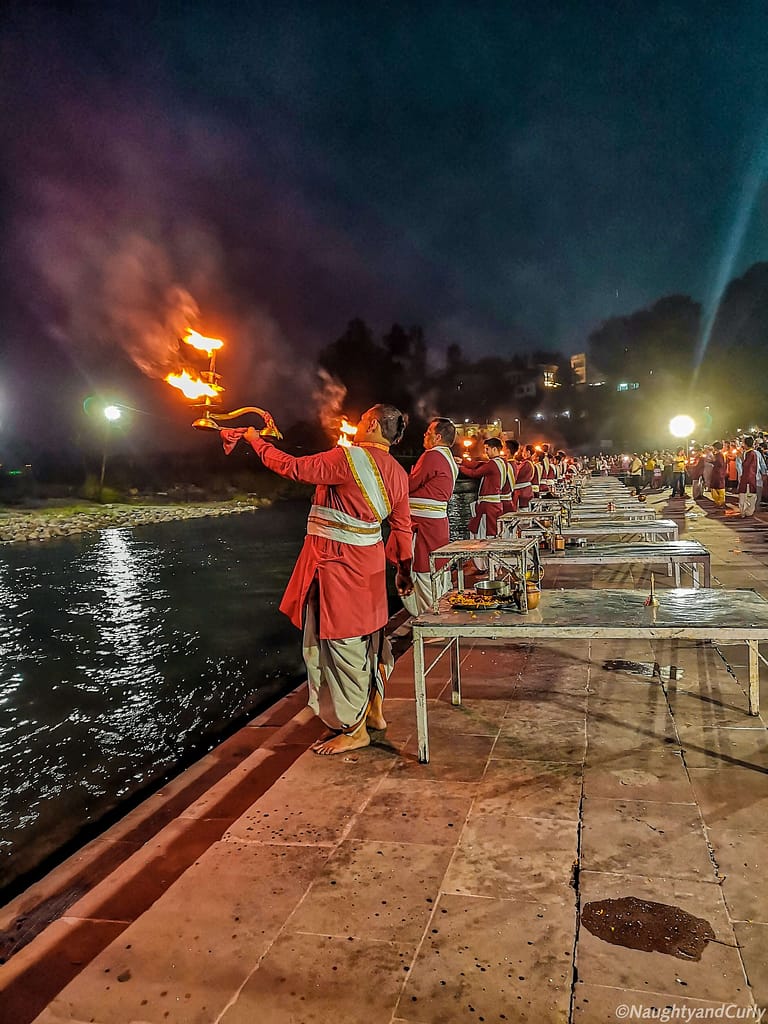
x: 18, y: 526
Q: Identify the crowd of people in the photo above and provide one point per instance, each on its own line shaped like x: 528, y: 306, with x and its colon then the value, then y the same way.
x: 736, y: 464
x: 337, y: 594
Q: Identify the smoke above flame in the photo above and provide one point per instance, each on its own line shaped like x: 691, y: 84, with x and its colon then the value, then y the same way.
x: 328, y: 396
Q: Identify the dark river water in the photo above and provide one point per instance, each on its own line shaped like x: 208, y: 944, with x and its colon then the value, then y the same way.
x: 126, y: 654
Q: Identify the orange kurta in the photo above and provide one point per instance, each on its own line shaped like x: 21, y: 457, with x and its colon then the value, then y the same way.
x: 490, y: 475
x: 430, y: 478
x: 352, y: 580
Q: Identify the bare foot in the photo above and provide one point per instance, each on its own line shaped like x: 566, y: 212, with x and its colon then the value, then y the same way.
x: 375, y: 719
x: 343, y: 742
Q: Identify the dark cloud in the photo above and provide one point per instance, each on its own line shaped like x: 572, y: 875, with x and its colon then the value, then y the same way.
x: 506, y: 177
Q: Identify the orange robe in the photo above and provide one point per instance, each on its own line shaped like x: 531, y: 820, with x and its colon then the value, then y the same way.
x: 432, y: 479
x: 490, y: 475
x: 352, y: 580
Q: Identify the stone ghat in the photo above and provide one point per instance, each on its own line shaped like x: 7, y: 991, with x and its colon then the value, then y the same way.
x: 19, y: 527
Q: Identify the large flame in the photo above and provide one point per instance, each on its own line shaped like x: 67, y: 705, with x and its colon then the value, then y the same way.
x: 347, y: 432
x: 192, y: 387
x: 203, y: 344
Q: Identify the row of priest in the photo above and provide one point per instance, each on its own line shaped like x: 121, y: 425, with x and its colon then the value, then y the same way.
x: 337, y: 593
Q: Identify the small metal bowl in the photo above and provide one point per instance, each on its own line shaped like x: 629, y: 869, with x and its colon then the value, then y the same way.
x: 496, y: 587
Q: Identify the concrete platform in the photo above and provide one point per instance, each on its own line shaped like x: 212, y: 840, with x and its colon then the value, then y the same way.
x: 267, y: 884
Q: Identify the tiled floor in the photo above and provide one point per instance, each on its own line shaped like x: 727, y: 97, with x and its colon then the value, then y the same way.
x: 370, y: 888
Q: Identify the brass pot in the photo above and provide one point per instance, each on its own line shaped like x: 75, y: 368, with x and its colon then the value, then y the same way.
x: 533, y: 596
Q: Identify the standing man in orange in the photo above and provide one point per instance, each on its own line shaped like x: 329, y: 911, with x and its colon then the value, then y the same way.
x: 508, y: 490
x: 492, y: 473
x: 524, y: 477
x: 747, y: 487
x: 337, y: 593
x: 717, y: 478
x: 430, y: 486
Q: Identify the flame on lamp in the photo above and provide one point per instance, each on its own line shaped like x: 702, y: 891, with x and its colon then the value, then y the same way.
x: 347, y: 432
x: 201, y: 343
x: 192, y: 387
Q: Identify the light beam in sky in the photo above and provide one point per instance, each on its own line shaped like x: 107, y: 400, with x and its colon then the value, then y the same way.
x: 753, y: 180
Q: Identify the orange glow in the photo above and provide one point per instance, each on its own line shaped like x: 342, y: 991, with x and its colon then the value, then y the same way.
x: 192, y: 387
x: 203, y: 344
x: 468, y: 443
x: 537, y: 448
x: 347, y: 432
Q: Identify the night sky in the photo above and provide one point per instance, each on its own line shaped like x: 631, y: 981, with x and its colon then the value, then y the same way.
x: 507, y: 175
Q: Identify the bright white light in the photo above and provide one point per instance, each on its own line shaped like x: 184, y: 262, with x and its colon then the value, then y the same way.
x: 111, y: 413
x: 681, y: 426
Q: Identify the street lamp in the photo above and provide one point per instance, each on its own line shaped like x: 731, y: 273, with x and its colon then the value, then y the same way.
x: 681, y: 426
x: 517, y: 423
x: 111, y: 415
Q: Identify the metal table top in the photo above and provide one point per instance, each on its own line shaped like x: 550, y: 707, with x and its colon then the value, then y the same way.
x: 621, y: 514
x: 611, y: 526
x: 613, y: 615
x: 659, y: 552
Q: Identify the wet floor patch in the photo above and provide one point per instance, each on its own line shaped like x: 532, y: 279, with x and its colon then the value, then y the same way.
x: 648, y: 926
x: 647, y: 669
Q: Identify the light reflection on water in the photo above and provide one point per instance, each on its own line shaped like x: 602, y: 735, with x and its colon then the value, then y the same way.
x: 122, y: 652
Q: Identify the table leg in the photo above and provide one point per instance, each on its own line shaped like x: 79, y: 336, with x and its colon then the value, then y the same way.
x: 696, y: 573
x: 754, y: 678
x: 455, y: 673
x: 460, y: 574
x: 432, y: 583
x: 420, y: 688
x: 676, y: 571
x: 706, y: 572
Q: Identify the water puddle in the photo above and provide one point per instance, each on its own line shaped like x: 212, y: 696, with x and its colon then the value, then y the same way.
x: 647, y: 669
x: 647, y: 926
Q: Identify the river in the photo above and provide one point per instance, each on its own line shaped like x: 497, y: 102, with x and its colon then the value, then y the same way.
x: 125, y: 655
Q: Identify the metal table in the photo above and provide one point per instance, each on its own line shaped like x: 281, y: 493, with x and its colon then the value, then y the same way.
x: 504, y: 556
x: 620, y: 514
x: 652, y: 529
x: 723, y: 615
x: 528, y: 523
x: 547, y: 505
x: 674, y: 555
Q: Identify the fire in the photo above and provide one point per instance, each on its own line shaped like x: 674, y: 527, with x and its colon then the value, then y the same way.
x: 347, y: 431
x: 192, y: 387
x: 201, y: 343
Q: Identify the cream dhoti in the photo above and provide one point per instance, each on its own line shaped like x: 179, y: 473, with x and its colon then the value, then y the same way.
x: 430, y: 521
x: 337, y: 593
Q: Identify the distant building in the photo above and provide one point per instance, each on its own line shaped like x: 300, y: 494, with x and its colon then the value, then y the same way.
x: 529, y: 382
x: 579, y: 368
